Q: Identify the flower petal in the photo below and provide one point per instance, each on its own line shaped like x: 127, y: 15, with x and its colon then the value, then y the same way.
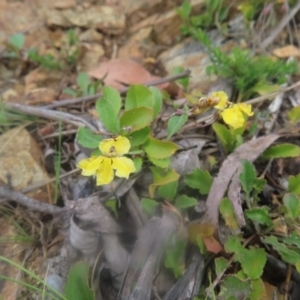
x: 246, y: 108
x: 91, y: 165
x: 123, y: 166
x: 105, y: 174
x: 115, y: 147
x: 223, y: 99
x: 233, y: 117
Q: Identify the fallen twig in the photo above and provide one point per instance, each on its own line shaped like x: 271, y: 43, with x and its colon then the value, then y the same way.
x: 7, y: 194
x: 269, y: 40
x: 51, y: 114
x: 60, y: 103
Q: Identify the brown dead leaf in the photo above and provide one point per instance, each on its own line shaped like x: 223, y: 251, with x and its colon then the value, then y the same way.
x: 250, y: 151
x: 205, y: 231
x: 120, y: 72
x: 63, y: 4
x: 287, y: 51
x: 40, y: 96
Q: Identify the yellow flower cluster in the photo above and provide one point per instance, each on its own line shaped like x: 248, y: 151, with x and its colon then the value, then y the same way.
x: 112, y: 159
x: 233, y: 114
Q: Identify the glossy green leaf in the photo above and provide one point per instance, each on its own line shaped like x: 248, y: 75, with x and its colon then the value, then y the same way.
x: 159, y: 149
x: 260, y: 215
x: 87, y: 138
x: 282, y: 151
x: 292, y: 203
x: 137, y: 118
x: 77, y: 287
x: 287, y: 255
x: 168, y: 191
x: 149, y: 205
x: 200, y: 180
x: 184, y: 201
x: 228, y: 214
x: 139, y: 137
x: 294, y: 114
x: 139, y: 96
x: 225, y: 136
x: 294, y: 184
x: 161, y: 177
x: 157, y: 97
x: 292, y: 239
x: 253, y: 261
x: 247, y: 176
x: 107, y: 115
x: 175, y: 123
x: 113, y: 97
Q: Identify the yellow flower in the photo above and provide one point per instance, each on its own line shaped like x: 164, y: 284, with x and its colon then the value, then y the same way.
x: 103, y: 166
x: 233, y: 114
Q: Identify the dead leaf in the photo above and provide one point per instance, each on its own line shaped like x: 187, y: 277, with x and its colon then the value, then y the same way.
x: 287, y: 51
x: 250, y: 151
x: 121, y: 71
x: 40, y: 96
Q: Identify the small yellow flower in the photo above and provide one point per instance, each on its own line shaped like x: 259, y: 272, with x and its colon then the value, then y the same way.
x: 103, y: 166
x: 233, y: 114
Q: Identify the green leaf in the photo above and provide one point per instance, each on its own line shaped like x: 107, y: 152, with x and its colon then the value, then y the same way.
x: 87, y: 138
x: 17, y: 40
x: 200, y: 180
x: 253, y: 261
x: 294, y: 184
x: 184, y: 10
x: 287, y: 255
x: 221, y: 264
x: 233, y: 288
x: 260, y: 215
x: 228, y: 214
x: 161, y: 177
x: 183, y: 81
x: 168, y: 191
x: 113, y: 97
x: 137, y: 118
x: 77, y: 287
x: 175, y: 123
x: 201, y: 245
x: 174, y: 257
x: 113, y: 205
x: 157, y: 104
x: 159, y: 149
x: 294, y: 114
x: 139, y: 137
x: 184, y: 201
x: 162, y: 163
x: 138, y: 162
x: 263, y: 88
x: 247, y: 176
x: 139, y: 96
x: 225, y: 136
x: 258, y: 289
x: 282, y: 151
x: 108, y: 115
x: 293, y: 239
x: 233, y: 245
x: 292, y: 203
x: 83, y: 81
x: 149, y: 205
